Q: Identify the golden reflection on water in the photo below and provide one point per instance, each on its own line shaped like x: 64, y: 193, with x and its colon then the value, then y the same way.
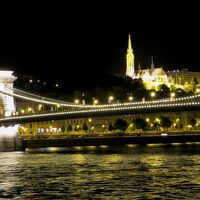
x: 153, y: 160
x: 170, y: 172
x: 91, y: 147
x: 103, y: 146
x: 8, y: 164
x: 195, y: 169
x: 155, y: 145
x: 115, y: 158
x: 78, y: 148
x: 176, y: 144
x: 132, y: 145
x: 79, y: 158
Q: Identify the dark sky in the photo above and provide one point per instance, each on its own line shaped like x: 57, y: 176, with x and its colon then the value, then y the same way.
x: 92, y: 38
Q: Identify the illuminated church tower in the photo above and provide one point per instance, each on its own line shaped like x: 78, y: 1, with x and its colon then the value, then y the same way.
x: 130, y: 60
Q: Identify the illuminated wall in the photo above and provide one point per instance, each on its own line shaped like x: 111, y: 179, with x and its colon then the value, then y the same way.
x: 100, y: 125
x: 6, y: 85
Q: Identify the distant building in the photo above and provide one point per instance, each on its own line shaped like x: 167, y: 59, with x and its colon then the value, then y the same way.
x: 153, y: 77
x: 184, y: 79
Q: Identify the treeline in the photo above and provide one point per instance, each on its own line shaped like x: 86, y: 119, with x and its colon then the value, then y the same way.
x: 101, y: 87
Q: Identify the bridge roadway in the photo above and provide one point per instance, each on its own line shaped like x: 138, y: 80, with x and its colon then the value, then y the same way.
x: 159, y: 106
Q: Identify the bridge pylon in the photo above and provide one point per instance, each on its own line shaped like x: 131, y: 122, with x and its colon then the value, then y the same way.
x: 7, y: 105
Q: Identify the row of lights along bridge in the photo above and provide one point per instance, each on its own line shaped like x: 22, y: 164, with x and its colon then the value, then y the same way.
x: 130, y: 98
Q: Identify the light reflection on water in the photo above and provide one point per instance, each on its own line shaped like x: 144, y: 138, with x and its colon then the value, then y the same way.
x: 170, y: 172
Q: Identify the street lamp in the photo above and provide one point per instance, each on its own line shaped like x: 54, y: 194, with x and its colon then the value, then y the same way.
x: 95, y: 102
x: 130, y: 98
x: 157, y: 120
x: 197, y: 90
x: 172, y: 95
x: 29, y: 109
x: 40, y: 107
x: 76, y: 101
x: 110, y: 99
x: 83, y: 98
x: 153, y: 94
x: 77, y: 127
x: 103, y: 127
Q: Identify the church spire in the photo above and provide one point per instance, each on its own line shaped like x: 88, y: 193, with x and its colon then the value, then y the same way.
x: 129, y: 43
x: 139, y: 67
x: 152, y: 64
x: 130, y: 59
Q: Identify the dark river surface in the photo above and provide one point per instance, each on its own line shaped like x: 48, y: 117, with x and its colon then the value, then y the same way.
x: 129, y: 172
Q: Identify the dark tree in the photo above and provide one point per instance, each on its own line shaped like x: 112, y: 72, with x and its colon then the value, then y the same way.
x: 63, y: 129
x: 164, y: 88
x: 193, y: 122
x: 140, y: 123
x: 85, y: 127
x: 120, y: 124
x: 110, y: 127
x: 156, y: 126
x: 165, y: 122
x: 180, y: 92
x: 163, y: 91
x: 195, y: 81
x: 138, y: 89
x: 69, y: 128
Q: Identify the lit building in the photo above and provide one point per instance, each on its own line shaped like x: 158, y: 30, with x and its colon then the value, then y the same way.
x: 184, y: 79
x: 7, y: 106
x: 153, y: 77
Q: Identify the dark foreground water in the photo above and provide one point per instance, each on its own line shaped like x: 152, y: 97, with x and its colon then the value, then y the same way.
x: 171, y: 172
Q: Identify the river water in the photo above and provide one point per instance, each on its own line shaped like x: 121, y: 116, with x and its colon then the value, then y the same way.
x: 131, y: 172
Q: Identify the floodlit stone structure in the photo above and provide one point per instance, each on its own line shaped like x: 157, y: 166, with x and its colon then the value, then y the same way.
x: 7, y: 105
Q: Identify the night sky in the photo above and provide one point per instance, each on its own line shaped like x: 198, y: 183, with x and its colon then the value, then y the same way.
x: 72, y: 40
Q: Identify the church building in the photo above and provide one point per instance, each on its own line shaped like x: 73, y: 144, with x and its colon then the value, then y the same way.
x: 152, y: 77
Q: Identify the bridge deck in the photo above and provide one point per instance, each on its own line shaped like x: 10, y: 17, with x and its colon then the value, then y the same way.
x: 94, y: 113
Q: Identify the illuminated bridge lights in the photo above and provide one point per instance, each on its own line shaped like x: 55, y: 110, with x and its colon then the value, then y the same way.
x: 62, y: 103
x: 138, y: 108
x: 45, y: 100
x: 155, y: 104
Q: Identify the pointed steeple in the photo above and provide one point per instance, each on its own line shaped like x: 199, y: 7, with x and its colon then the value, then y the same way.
x: 152, y: 64
x: 129, y: 43
x: 130, y: 59
x: 139, y: 67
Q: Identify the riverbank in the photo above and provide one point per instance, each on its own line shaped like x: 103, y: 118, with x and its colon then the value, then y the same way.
x: 108, y: 140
